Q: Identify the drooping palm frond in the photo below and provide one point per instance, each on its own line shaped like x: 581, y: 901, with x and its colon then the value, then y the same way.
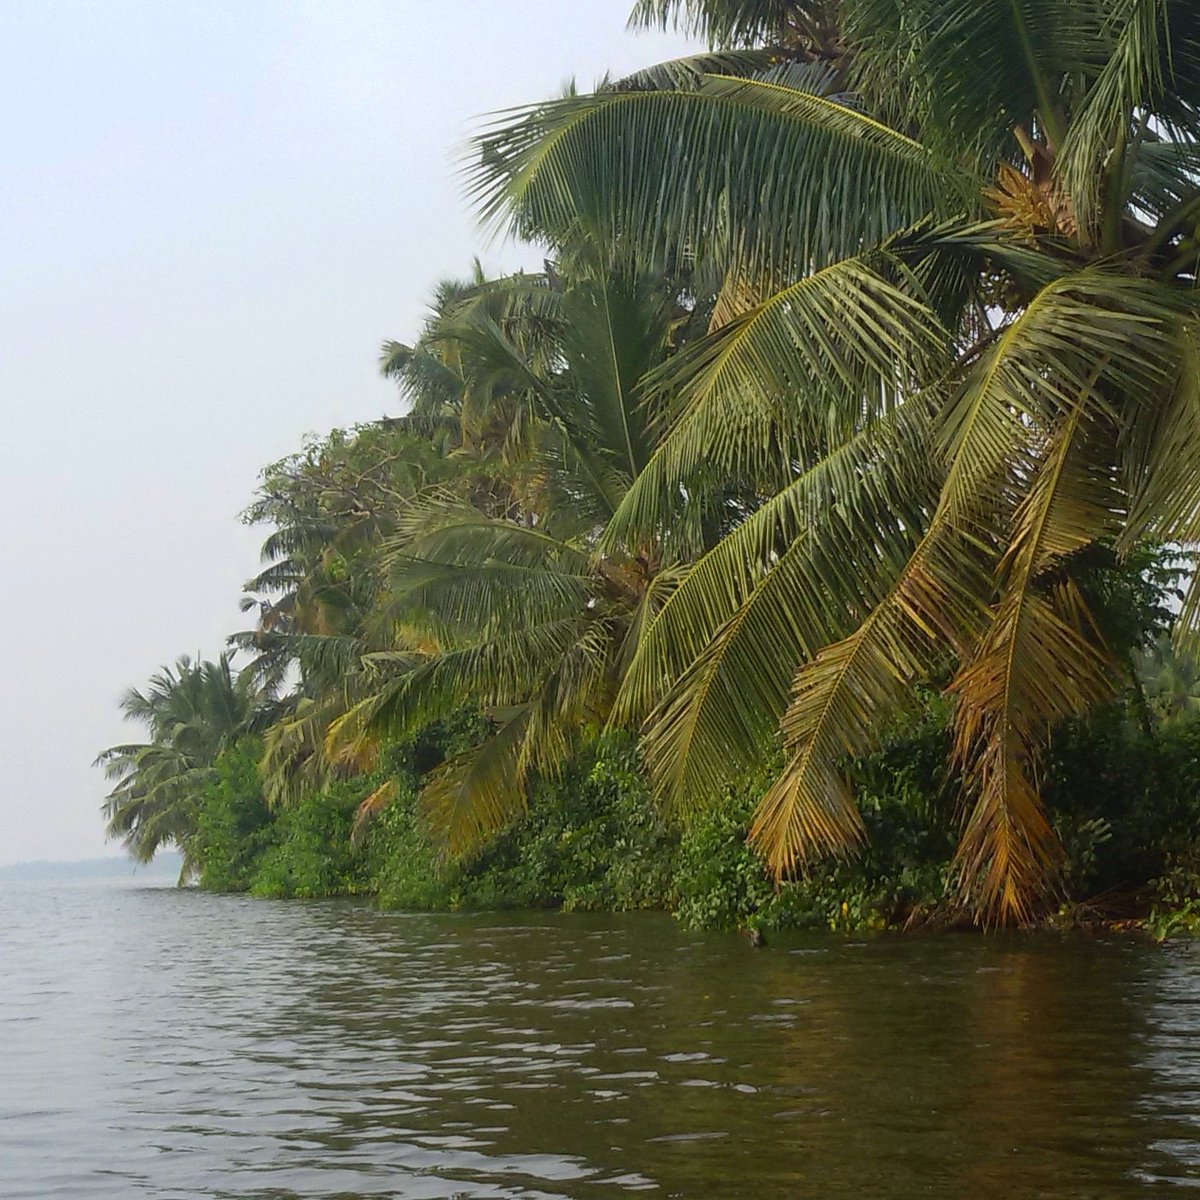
x: 1033, y: 371
x: 740, y: 172
x: 843, y: 699
x: 478, y: 792
x: 808, y: 366
x: 1161, y: 459
x: 741, y: 22
x: 458, y: 572
x: 1035, y: 434
x: 1038, y: 664
x: 791, y: 578
x: 1162, y: 177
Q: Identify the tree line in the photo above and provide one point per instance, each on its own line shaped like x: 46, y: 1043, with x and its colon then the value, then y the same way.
x: 860, y: 383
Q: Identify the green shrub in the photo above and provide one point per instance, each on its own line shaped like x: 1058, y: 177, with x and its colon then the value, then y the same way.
x: 593, y: 839
x: 403, y: 867
x: 719, y: 881
x: 311, y: 853
x: 1125, y: 802
x: 590, y: 840
x: 900, y: 870
x: 234, y: 825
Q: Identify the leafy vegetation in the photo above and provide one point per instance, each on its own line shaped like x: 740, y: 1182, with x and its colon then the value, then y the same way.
x: 787, y: 551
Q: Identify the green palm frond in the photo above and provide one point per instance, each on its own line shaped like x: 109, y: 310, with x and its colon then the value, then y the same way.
x: 498, y: 672
x: 728, y: 22
x: 808, y: 365
x: 1161, y: 463
x: 842, y: 701
x: 718, y: 660
x: 969, y: 70
x: 614, y: 334
x: 681, y: 74
x: 1032, y: 373
x: 1162, y: 177
x: 747, y: 173
x: 473, y: 795
x: 1115, y: 106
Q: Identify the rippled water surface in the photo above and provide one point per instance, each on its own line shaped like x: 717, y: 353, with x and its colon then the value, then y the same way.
x: 166, y: 1043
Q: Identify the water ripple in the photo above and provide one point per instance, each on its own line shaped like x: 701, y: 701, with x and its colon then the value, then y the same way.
x: 156, y: 1043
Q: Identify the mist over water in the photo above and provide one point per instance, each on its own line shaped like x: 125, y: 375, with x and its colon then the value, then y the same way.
x: 176, y: 1044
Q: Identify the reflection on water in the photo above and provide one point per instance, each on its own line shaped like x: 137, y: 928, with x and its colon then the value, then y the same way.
x: 173, y: 1044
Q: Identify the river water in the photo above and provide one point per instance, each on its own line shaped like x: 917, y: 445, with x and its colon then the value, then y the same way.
x: 166, y: 1043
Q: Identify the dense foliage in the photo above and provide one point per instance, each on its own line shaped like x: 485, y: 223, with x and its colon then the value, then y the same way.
x: 1125, y: 802
x: 785, y: 551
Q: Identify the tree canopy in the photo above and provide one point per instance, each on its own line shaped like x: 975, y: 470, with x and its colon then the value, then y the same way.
x: 863, y: 363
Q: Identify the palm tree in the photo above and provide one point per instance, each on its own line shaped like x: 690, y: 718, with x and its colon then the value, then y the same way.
x: 522, y: 613
x: 1171, y: 679
x: 329, y: 505
x: 192, y: 711
x: 956, y: 348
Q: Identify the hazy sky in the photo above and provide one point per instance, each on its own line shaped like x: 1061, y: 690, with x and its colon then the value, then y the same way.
x: 211, y: 215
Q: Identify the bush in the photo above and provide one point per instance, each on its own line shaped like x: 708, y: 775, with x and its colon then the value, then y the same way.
x: 591, y: 840
x: 719, y: 881
x: 900, y: 871
x: 403, y: 866
x: 234, y: 826
x: 1125, y: 802
x: 311, y: 854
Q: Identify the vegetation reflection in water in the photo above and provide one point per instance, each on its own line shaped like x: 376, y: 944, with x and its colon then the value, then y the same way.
x: 328, y: 1049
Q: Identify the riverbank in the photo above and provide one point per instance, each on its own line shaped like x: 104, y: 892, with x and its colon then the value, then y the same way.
x: 1124, y: 800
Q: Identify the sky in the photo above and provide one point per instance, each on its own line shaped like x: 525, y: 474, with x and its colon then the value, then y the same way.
x: 211, y: 216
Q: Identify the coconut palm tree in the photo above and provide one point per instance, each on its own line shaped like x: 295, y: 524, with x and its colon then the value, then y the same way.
x: 193, y: 711
x: 956, y: 348
x: 523, y: 614
x: 335, y: 504
x: 1171, y: 679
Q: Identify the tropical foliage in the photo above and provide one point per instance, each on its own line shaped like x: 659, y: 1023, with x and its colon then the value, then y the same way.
x: 860, y: 383
x: 193, y: 712
x: 954, y: 352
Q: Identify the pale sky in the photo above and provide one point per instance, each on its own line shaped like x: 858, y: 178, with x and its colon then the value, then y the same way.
x: 211, y: 215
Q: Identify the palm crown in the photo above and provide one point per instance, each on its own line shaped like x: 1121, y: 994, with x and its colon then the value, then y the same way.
x: 192, y: 711
x: 499, y: 572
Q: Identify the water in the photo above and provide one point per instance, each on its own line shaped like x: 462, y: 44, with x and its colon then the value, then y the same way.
x: 172, y: 1044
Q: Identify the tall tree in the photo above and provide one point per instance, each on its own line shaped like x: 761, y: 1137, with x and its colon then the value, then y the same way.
x: 192, y: 711
x: 956, y: 349
x: 533, y: 619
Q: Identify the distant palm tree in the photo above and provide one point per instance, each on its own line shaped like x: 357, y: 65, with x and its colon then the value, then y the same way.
x: 523, y: 614
x: 1171, y: 679
x: 192, y: 711
x: 957, y: 346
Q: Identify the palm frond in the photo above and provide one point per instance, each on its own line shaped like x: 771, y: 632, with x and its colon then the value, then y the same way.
x: 843, y: 699
x: 680, y: 74
x: 1037, y: 664
x: 475, y: 794
x: 1122, y: 96
x: 807, y: 366
x: 715, y: 664
x: 765, y: 177
x: 723, y: 22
